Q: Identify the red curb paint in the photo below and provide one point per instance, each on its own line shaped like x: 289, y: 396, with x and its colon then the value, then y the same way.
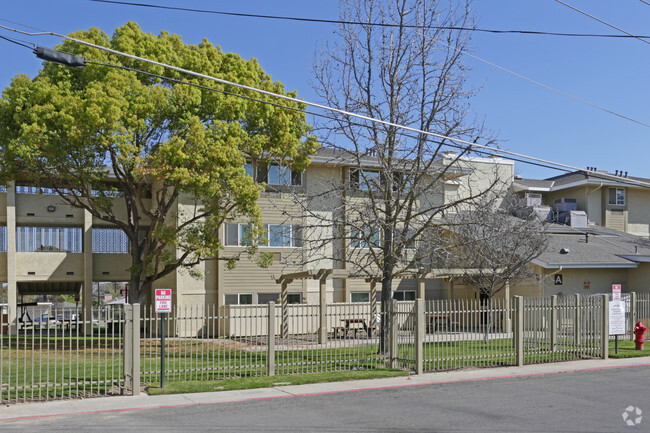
x: 325, y: 392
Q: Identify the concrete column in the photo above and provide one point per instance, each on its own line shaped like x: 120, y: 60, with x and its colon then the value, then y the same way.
x: 421, y: 288
x: 12, y: 284
x: 87, y: 288
x: 419, y: 336
x: 322, y: 330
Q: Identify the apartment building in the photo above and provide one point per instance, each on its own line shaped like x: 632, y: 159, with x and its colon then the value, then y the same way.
x: 49, y: 247
x: 602, y: 235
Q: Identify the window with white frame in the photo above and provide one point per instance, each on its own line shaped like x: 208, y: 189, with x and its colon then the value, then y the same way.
x: 292, y: 298
x: 274, y: 174
x: 617, y: 196
x: 359, y: 297
x: 365, y: 238
x: 364, y: 180
x: 62, y: 239
x: 238, y: 299
x: 404, y: 295
x: 278, y: 235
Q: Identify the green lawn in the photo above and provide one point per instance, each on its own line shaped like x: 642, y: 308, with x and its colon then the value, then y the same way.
x: 36, y: 368
x: 627, y: 349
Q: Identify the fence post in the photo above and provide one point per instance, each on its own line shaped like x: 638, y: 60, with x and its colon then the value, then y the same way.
x: 604, y: 336
x: 554, y: 323
x: 634, y: 313
x: 128, y: 346
x: 135, y: 351
x: 270, y: 354
x: 519, y: 329
x: 577, y: 329
x: 419, y: 336
x: 392, y: 333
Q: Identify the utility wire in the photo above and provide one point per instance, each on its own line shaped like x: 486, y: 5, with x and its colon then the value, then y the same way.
x: 325, y: 107
x: 530, y: 80
x: 601, y: 21
x: 644, y: 1
x: 16, y: 41
x: 313, y: 113
x: 327, y: 21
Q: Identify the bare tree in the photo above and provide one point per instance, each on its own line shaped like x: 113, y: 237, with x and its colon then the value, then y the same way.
x: 491, y: 247
x: 398, y: 61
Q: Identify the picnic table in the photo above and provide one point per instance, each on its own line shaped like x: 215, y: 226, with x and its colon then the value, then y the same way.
x: 352, y: 325
x: 437, y: 321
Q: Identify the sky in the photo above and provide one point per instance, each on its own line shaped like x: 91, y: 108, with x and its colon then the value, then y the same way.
x: 525, y: 118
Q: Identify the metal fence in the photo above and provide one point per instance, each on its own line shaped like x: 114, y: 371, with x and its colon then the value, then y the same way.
x: 61, y: 355
x: 66, y: 356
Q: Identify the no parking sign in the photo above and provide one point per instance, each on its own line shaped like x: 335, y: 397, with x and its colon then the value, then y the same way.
x: 163, y: 300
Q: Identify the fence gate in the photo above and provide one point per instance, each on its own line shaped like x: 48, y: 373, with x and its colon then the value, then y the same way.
x: 402, y: 325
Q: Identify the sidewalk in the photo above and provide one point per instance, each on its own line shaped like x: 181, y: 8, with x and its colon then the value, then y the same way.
x: 143, y: 402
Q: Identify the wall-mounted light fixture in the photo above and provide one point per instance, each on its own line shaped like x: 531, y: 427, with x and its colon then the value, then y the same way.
x: 51, y: 208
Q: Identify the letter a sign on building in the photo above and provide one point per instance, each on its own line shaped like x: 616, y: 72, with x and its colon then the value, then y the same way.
x: 163, y: 300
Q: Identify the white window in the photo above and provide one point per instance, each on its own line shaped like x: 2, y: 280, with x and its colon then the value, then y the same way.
x: 359, y: 297
x: 278, y: 235
x: 365, y: 238
x: 238, y: 299
x: 365, y: 180
x: 279, y: 175
x: 292, y: 298
x: 617, y: 196
x: 404, y: 295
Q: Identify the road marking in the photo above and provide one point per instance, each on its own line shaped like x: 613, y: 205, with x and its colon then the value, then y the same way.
x: 307, y: 394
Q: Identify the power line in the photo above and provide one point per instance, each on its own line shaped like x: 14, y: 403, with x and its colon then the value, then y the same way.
x: 324, y: 107
x: 530, y: 80
x: 328, y: 21
x: 601, y: 21
x: 15, y: 41
x: 644, y: 1
x: 313, y: 113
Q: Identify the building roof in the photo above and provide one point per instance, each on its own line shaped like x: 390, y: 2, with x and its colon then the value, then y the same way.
x: 339, y: 156
x: 576, y: 178
x: 593, y: 247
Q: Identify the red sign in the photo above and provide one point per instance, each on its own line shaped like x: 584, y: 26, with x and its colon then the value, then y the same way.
x: 163, y: 300
x: 616, y: 292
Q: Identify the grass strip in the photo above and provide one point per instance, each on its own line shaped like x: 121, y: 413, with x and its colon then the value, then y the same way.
x: 186, y: 387
x: 627, y: 349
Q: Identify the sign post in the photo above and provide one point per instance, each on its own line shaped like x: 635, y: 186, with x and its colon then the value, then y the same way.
x: 616, y: 315
x: 163, y: 306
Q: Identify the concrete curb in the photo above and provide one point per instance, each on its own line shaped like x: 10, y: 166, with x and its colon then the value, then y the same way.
x: 120, y: 404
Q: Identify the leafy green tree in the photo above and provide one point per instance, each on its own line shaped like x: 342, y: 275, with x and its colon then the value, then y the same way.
x: 127, y: 145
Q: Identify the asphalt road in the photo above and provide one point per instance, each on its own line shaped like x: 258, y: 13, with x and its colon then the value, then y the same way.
x: 582, y: 401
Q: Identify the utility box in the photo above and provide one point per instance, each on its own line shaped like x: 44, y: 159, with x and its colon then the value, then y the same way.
x: 576, y: 218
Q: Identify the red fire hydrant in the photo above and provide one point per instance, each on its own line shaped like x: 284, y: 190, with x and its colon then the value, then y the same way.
x: 639, y: 330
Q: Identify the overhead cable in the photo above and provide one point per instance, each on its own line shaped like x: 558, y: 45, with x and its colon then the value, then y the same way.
x: 602, y: 22
x: 328, y: 21
x: 319, y: 106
